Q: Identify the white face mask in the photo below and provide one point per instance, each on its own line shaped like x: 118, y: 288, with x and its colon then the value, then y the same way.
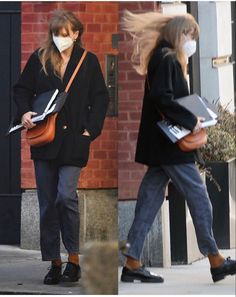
x: 62, y: 43
x: 189, y: 47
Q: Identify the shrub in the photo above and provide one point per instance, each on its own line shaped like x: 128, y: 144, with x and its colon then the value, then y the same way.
x: 221, y: 138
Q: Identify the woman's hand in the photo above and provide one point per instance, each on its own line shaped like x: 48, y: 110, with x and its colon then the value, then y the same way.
x: 199, y: 124
x: 26, y: 120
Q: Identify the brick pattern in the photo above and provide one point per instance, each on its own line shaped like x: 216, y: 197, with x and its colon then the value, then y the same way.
x: 131, y: 87
x: 100, y: 22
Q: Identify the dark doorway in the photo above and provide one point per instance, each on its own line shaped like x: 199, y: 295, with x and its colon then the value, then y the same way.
x: 194, y: 61
x: 233, y: 59
x: 10, y: 191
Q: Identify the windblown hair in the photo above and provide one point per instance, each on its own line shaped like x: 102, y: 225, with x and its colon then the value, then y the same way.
x: 148, y: 29
x: 48, y: 51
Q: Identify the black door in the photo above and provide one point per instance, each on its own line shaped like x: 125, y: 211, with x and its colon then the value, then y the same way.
x: 10, y: 191
x: 233, y: 60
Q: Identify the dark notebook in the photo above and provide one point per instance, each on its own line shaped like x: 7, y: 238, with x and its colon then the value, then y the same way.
x: 198, y: 107
x: 44, y: 104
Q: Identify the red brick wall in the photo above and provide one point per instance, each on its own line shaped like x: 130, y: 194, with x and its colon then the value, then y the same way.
x: 130, y: 103
x: 100, y: 21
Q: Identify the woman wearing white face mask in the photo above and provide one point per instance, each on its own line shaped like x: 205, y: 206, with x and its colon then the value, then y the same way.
x: 58, y: 164
x: 162, y: 46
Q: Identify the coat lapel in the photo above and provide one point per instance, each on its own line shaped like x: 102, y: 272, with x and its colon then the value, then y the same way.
x: 55, y: 81
x: 73, y: 62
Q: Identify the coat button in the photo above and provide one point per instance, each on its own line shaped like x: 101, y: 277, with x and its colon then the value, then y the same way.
x: 64, y: 127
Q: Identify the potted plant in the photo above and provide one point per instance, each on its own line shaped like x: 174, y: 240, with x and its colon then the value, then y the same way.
x: 219, y: 154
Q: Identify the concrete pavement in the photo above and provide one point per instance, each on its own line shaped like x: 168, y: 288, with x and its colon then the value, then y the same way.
x: 184, y: 280
x: 22, y: 272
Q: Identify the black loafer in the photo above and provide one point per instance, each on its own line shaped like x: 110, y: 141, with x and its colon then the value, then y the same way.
x: 141, y: 274
x: 227, y: 268
x: 53, y: 276
x: 72, y: 273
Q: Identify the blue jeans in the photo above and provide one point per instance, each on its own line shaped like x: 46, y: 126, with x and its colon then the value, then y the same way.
x: 187, y: 180
x: 59, y: 208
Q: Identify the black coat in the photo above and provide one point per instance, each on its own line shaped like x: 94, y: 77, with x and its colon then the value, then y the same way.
x: 85, y: 106
x: 167, y: 83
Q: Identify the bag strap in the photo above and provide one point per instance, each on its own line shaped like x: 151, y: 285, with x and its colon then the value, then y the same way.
x: 75, y: 71
x: 149, y: 88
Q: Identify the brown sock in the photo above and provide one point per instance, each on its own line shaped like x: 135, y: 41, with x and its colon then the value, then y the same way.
x: 73, y: 258
x: 57, y: 262
x: 215, y: 260
x: 132, y: 263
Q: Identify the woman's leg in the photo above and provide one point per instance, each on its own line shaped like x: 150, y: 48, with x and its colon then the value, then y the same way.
x: 150, y: 198
x: 187, y: 180
x: 46, y: 174
x: 68, y: 207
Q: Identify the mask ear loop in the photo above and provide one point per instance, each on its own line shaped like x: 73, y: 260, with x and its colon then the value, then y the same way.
x: 184, y: 37
x: 75, y: 39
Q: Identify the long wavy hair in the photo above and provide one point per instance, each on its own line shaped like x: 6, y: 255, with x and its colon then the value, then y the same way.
x: 148, y: 29
x: 48, y: 51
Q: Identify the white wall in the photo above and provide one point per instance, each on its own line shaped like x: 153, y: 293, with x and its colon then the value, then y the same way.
x: 215, y: 41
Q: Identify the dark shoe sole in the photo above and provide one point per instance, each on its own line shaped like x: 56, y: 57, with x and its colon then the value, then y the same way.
x: 51, y: 282
x: 131, y: 279
x: 221, y: 276
x: 69, y: 280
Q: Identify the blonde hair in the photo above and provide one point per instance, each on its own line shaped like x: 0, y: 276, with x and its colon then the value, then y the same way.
x: 148, y: 29
x: 48, y: 52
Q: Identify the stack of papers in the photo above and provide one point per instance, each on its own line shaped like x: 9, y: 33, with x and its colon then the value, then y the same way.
x: 34, y: 119
x: 44, y: 105
x: 198, y: 107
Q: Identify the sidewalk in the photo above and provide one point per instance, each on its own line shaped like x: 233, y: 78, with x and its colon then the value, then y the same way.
x: 22, y: 272
x: 184, y: 279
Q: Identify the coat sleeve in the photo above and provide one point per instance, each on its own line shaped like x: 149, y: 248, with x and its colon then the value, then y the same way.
x: 24, y: 89
x: 162, y: 95
x: 99, y: 99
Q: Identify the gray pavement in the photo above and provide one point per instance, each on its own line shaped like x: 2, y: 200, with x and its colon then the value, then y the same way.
x: 184, y: 280
x: 22, y: 272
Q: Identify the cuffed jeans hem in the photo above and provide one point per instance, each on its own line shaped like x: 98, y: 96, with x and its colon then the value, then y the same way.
x: 210, y: 250
x: 50, y: 258
x: 211, y: 253
x: 131, y: 256
x: 45, y: 258
x: 72, y: 252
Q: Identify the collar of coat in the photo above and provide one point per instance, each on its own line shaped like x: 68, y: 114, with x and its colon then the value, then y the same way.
x: 163, y: 43
x: 76, y: 54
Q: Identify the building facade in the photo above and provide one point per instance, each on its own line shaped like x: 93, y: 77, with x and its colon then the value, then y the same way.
x: 27, y: 24
x: 216, y: 44
x: 111, y: 171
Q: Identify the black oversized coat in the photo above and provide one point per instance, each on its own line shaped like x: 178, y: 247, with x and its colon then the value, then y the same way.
x: 85, y: 106
x: 167, y: 83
